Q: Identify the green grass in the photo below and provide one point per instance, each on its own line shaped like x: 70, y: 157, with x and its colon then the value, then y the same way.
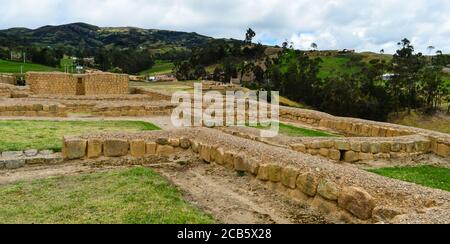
x: 14, y: 67
x: 332, y: 66
x: 41, y: 135
x: 289, y: 130
x: 160, y: 67
x: 429, y: 176
x: 131, y: 196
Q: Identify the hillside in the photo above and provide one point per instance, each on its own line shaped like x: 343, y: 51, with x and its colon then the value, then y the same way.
x: 93, y: 37
x: 17, y: 67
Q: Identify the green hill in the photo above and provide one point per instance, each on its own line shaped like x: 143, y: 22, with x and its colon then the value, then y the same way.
x: 91, y: 37
x: 17, y: 67
x: 160, y: 67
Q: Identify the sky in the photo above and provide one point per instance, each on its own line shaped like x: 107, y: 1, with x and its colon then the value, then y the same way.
x: 364, y: 25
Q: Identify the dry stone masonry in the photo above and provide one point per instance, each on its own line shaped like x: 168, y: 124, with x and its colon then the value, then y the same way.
x: 77, y: 84
x: 340, y: 192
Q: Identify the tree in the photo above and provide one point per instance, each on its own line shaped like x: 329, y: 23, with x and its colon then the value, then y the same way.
x: 314, y: 46
x: 430, y: 49
x: 432, y: 82
x: 382, y: 51
x: 406, y: 66
x: 249, y: 36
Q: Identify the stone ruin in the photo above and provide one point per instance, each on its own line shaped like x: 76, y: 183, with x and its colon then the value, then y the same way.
x: 57, y: 83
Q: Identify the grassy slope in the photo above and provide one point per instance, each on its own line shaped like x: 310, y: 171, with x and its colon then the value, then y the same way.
x: 160, y: 67
x: 331, y: 66
x: 429, y: 176
x: 439, y: 122
x: 14, y: 67
x: 294, y: 131
x: 131, y: 196
x: 21, y: 135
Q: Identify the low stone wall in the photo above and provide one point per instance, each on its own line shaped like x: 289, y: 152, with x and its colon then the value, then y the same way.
x: 439, y: 142
x: 349, y: 194
x: 105, y: 83
x: 31, y: 108
x: 349, y: 149
x: 153, y: 95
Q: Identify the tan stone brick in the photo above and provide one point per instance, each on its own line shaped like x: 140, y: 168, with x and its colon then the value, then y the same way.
x: 137, y: 148
x: 299, y: 147
x: 253, y: 166
x: 357, y: 201
x: 342, y: 145
x: 274, y: 173
x: 335, y: 154
x: 115, y: 147
x: 385, y: 147
x: 366, y: 156
x: 240, y: 163
x: 263, y: 172
x: 174, y: 142
x: 355, y: 146
x: 165, y: 150
x: 328, y: 190
x: 351, y: 156
x: 289, y: 177
x: 324, y: 152
x: 74, y: 148
x: 443, y: 150
x: 150, y: 148
x: 307, y: 183
x: 94, y: 148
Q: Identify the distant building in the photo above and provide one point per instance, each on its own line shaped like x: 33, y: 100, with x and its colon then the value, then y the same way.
x: 387, y: 77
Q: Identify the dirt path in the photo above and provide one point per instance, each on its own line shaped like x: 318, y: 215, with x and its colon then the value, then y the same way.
x: 229, y: 198
x: 234, y: 199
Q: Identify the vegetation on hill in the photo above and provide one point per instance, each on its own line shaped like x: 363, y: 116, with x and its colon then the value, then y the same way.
x: 127, y: 196
x: 17, y: 67
x: 160, y: 67
x: 124, y: 49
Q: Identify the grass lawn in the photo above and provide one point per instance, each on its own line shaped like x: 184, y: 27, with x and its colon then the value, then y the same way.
x: 14, y: 67
x: 429, y: 176
x: 20, y: 135
x: 334, y: 65
x: 289, y: 130
x: 160, y: 67
x: 131, y: 196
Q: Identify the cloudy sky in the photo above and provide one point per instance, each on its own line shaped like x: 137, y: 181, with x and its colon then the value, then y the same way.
x: 332, y: 24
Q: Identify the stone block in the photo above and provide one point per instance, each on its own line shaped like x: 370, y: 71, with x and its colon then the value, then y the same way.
x: 94, y: 148
x: 115, y: 147
x: 185, y: 143
x: 240, y: 163
x: 307, y: 183
x: 74, y: 149
x: 357, y: 201
x: 328, y: 190
x: 174, y: 142
x: 137, y: 148
x: 150, y: 148
x: 263, y: 172
x: 342, y: 145
x: 164, y: 150
x: 351, y: 156
x: 274, y: 173
x: 334, y: 154
x: 289, y: 177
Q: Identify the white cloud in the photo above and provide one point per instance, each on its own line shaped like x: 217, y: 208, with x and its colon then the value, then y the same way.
x: 362, y: 25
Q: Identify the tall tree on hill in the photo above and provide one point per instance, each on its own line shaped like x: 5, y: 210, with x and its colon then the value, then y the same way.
x: 430, y: 49
x: 314, y: 46
x: 406, y: 66
x: 249, y: 36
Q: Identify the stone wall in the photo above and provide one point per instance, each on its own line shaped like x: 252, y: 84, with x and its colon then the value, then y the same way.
x: 439, y: 142
x: 57, y: 83
x: 33, y: 109
x: 348, y: 194
x: 8, y: 79
x: 105, y: 83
